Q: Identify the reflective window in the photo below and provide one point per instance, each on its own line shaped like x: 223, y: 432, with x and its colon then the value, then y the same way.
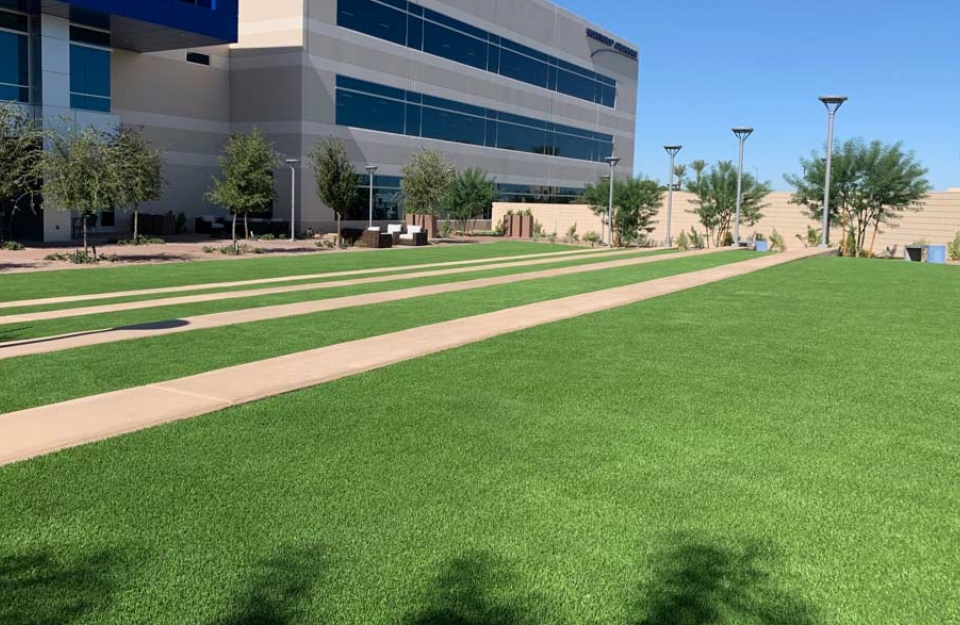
x: 89, y: 78
x: 14, y: 58
x: 386, y: 199
x: 409, y: 24
x: 361, y: 104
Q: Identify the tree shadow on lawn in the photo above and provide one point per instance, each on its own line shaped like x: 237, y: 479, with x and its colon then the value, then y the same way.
x: 699, y: 583
x: 479, y: 589
x: 41, y: 587
x: 279, y: 588
x: 169, y: 324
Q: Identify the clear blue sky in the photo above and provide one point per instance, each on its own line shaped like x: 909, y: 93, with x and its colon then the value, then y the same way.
x: 709, y: 65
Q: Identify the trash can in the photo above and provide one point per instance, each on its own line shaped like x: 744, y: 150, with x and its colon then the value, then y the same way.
x: 763, y: 246
x: 937, y: 254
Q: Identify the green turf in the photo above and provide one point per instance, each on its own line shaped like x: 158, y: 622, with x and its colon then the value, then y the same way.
x: 779, y: 449
x: 52, y: 327
x: 108, y: 279
x: 47, y: 378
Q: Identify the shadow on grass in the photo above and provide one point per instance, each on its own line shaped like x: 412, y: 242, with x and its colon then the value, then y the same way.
x: 278, y: 589
x: 170, y: 324
x: 479, y: 589
x: 43, y: 588
x: 699, y: 583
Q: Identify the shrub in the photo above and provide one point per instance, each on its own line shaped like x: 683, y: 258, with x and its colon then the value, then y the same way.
x: 537, y: 227
x: 142, y: 240
x: 697, y: 241
x: 207, y: 249
x: 552, y: 237
x: 181, y: 226
x: 13, y: 246
x: 683, y: 241
x: 812, y: 239
x: 591, y: 237
x: 777, y: 244
x: 78, y: 257
x: 498, y: 231
x: 953, y: 248
x: 759, y: 236
x: 446, y: 229
x: 571, y: 236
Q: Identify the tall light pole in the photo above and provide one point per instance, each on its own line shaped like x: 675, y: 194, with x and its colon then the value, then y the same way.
x: 371, y: 169
x: 672, y: 150
x: 742, y: 134
x: 292, y: 163
x: 612, y: 162
x: 833, y: 104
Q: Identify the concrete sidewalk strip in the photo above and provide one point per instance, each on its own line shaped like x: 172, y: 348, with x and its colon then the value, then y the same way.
x: 209, y: 297
x: 74, y: 340
x: 316, y: 276
x: 38, y: 431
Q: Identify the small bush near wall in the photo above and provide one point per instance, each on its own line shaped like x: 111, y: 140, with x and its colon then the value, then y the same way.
x: 12, y: 246
x: 953, y: 249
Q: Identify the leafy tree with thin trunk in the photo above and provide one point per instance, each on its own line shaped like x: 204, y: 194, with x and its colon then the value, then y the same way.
x: 79, y: 175
x: 21, y: 157
x: 636, y: 202
x: 680, y: 172
x: 246, y: 183
x: 138, y: 165
x: 472, y: 193
x: 715, y: 200
x: 698, y: 166
x: 871, y: 186
x: 336, y: 181
x: 426, y: 183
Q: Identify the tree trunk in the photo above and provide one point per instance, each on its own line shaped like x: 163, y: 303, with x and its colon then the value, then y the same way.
x: 136, y: 225
x: 873, y: 239
x: 246, y: 228
x: 84, y: 227
x: 339, y: 231
x: 234, y: 231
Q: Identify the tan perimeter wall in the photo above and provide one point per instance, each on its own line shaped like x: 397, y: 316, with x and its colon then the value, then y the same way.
x: 938, y: 223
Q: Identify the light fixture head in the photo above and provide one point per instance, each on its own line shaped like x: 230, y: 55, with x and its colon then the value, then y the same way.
x: 833, y: 102
x: 612, y: 160
x: 372, y: 168
x: 673, y: 150
x: 292, y: 161
x: 742, y: 132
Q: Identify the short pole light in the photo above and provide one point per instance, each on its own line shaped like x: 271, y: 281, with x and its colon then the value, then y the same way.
x: 742, y: 134
x: 833, y: 104
x: 672, y: 150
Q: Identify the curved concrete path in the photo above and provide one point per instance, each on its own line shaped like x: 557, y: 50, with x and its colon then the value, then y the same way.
x: 28, y: 347
x: 313, y: 286
x: 67, y: 299
x: 38, y: 431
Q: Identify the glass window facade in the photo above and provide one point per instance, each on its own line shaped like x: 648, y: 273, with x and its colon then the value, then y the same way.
x: 386, y: 199
x: 14, y: 57
x: 409, y: 24
x: 362, y: 104
x: 89, y: 70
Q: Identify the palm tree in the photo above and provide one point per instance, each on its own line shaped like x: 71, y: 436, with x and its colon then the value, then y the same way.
x: 698, y: 166
x: 680, y: 171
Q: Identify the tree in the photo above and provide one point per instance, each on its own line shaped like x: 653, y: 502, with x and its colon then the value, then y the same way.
x: 336, y: 181
x: 680, y: 171
x: 698, y: 166
x: 716, y: 200
x: 426, y: 183
x: 138, y: 166
x: 871, y: 185
x: 636, y: 201
x: 471, y: 194
x: 246, y: 185
x: 78, y: 174
x: 21, y: 156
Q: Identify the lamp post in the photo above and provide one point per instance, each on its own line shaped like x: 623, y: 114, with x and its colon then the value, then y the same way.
x: 612, y: 162
x: 371, y: 169
x: 742, y: 134
x: 292, y: 163
x: 672, y: 150
x: 833, y: 104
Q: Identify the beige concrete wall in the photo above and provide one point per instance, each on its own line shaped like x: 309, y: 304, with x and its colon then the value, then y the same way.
x: 937, y: 223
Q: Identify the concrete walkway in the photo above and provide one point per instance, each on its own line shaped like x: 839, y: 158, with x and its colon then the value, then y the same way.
x: 14, y: 349
x: 210, y: 297
x: 38, y: 431
x: 46, y: 301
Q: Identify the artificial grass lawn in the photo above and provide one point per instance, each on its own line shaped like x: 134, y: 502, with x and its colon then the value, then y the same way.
x: 52, y: 327
x: 378, y: 273
x: 43, y: 379
x: 780, y: 448
x: 109, y: 279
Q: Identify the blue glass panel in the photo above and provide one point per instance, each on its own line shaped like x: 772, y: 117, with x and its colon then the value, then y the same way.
x: 577, y: 86
x: 520, y: 119
x: 9, y: 93
x: 370, y: 87
x: 415, y: 32
x: 370, y: 112
x: 374, y: 19
x: 455, y: 46
x: 14, y: 70
x: 568, y: 146
x: 519, y: 67
x: 490, y: 136
x: 449, y: 22
x: 450, y: 126
x: 608, y: 95
x: 414, y: 126
x: 516, y: 47
x: 89, y: 103
x: 89, y: 71
x: 523, y: 139
x: 469, y: 109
